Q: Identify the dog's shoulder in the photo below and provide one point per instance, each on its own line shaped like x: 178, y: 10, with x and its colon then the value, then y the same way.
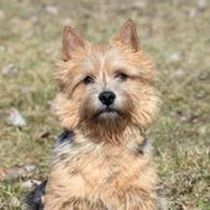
x: 34, y: 199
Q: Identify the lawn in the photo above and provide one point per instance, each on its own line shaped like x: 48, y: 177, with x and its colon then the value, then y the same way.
x: 175, y: 33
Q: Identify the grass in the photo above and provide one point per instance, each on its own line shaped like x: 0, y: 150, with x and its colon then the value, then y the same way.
x: 174, y: 33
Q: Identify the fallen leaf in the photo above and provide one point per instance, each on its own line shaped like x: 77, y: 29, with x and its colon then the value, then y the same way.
x: 52, y: 10
x: 2, y: 14
x: 202, y: 5
x: 10, y: 69
x: 14, y: 202
x: 16, y: 119
x: 175, y: 57
x: 16, y: 172
x: 44, y: 134
x: 30, y: 183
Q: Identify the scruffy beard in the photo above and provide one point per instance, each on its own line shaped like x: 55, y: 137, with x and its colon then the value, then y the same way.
x: 105, y: 130
x: 106, y: 124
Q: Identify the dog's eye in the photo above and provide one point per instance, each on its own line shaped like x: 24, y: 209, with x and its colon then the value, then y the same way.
x: 88, y: 80
x: 122, y: 76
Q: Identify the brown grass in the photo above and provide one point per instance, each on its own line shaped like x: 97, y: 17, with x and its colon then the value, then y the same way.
x: 174, y: 33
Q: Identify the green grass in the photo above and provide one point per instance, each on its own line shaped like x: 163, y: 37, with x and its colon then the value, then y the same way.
x: 174, y: 33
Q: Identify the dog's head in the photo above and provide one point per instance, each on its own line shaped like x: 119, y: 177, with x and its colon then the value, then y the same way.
x: 110, y: 86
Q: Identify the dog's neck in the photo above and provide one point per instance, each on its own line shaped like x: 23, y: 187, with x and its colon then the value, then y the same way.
x: 124, y: 135
x: 132, y: 139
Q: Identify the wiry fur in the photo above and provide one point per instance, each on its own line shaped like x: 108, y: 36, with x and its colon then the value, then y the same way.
x: 102, y: 169
x: 137, y: 96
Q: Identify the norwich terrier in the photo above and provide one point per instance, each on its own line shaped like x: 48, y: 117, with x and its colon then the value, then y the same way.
x: 107, y: 99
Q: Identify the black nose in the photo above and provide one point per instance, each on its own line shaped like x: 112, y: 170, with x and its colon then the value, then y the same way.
x: 107, y: 97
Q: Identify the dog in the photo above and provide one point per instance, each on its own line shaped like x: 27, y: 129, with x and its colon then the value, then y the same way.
x: 107, y: 99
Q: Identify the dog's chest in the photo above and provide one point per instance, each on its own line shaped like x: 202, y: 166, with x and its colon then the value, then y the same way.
x: 93, y: 170
x: 106, y: 174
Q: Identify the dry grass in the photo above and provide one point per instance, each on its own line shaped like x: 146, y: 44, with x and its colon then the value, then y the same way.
x: 175, y: 33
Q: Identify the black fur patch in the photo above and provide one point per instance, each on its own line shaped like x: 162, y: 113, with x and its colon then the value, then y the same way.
x: 66, y: 135
x: 34, y: 198
x: 140, y: 147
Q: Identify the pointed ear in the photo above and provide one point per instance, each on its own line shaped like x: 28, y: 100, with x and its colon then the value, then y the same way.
x: 128, y: 36
x: 72, y: 41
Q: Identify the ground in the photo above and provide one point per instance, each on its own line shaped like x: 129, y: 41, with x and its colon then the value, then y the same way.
x: 175, y: 33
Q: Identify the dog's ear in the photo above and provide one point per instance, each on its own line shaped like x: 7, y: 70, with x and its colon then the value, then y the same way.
x: 72, y: 41
x: 127, y: 36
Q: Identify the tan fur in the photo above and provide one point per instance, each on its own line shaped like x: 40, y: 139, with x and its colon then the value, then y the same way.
x: 102, y: 169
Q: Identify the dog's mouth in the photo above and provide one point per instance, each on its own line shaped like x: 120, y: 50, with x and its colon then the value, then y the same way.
x: 108, y: 112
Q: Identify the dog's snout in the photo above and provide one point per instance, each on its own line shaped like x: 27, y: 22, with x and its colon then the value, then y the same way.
x: 107, y: 97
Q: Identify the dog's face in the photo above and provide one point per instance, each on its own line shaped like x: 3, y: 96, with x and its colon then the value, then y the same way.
x: 108, y: 85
